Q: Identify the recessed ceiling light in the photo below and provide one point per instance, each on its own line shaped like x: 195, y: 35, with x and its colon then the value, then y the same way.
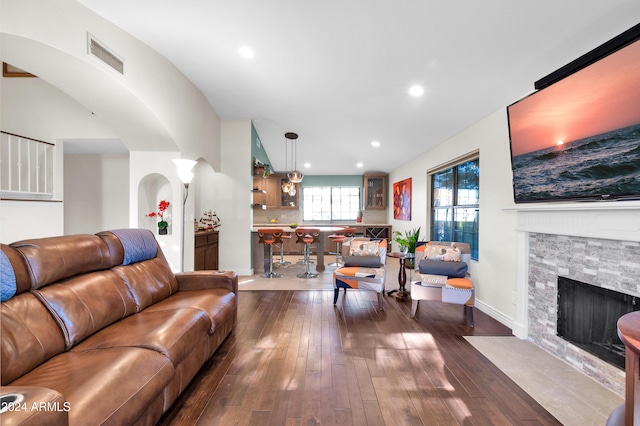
x: 246, y: 52
x: 416, y: 91
x: 359, y: 165
x: 375, y: 143
x: 307, y: 165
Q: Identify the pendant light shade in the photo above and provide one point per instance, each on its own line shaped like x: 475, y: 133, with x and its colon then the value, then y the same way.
x: 294, y: 176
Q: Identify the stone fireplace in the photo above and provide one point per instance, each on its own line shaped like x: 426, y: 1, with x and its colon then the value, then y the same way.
x: 588, y: 317
x: 596, y: 244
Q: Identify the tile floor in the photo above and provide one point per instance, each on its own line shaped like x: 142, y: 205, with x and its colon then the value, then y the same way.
x: 568, y: 394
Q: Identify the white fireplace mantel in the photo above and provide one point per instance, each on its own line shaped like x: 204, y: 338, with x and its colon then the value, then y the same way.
x: 612, y: 220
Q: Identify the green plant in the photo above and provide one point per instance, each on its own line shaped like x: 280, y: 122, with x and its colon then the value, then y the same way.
x: 408, y: 240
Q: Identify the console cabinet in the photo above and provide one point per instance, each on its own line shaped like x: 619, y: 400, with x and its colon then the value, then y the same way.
x: 206, y: 251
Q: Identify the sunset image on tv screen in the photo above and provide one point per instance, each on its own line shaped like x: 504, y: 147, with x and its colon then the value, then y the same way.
x: 580, y: 137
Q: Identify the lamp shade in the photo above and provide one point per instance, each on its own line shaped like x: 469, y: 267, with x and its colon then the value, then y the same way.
x: 184, y: 169
x: 295, y: 176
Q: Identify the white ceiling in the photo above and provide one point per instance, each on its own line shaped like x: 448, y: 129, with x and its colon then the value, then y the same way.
x: 337, y: 71
x: 90, y: 146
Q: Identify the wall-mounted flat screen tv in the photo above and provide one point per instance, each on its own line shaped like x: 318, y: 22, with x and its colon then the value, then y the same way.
x: 579, y: 137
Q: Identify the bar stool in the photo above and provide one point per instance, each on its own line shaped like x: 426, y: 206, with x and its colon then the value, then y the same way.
x: 338, y: 237
x: 307, y: 236
x: 282, y: 262
x: 270, y: 236
x: 300, y: 240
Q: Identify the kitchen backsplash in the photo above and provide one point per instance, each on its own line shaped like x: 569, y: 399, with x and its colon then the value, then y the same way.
x: 295, y: 216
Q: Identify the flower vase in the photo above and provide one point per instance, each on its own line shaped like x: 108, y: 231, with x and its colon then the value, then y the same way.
x: 162, y: 231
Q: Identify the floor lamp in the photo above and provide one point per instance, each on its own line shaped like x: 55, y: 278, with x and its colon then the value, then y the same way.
x: 185, y: 174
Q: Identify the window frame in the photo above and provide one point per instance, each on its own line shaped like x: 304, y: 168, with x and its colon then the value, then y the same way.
x: 454, y: 209
x: 331, y: 188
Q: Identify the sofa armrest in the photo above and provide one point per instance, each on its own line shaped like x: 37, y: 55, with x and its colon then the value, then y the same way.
x: 202, y: 280
x: 37, y: 406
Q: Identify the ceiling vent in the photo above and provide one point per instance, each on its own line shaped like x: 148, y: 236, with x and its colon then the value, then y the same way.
x: 98, y: 50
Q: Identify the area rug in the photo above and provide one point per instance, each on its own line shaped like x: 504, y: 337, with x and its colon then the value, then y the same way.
x: 324, y: 281
x: 288, y: 279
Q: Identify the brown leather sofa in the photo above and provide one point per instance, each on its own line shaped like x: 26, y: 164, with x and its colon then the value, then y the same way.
x: 100, y: 331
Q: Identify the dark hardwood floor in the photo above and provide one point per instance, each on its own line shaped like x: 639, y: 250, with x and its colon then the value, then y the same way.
x: 296, y: 359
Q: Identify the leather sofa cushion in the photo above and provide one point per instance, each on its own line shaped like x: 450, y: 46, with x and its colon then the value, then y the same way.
x: 38, y: 396
x: 85, y: 304
x: 29, y: 336
x: 104, y: 385
x: 217, y: 304
x: 174, y: 334
x: 57, y: 258
x: 149, y: 281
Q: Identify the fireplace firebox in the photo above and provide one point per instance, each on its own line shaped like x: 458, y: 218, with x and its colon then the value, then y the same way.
x: 587, y: 317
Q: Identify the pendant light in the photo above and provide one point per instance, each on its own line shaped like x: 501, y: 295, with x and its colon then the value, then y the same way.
x: 295, y: 176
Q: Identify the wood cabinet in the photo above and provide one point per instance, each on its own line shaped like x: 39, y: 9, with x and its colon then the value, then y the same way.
x: 291, y: 246
x: 267, y: 193
x: 374, y: 231
x: 206, y: 251
x: 375, y: 191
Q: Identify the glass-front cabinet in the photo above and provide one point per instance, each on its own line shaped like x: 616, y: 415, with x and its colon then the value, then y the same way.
x: 277, y: 198
x: 375, y: 192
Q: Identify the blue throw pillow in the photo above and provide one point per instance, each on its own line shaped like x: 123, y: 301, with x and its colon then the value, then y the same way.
x: 7, y: 278
x: 139, y: 244
x: 438, y: 267
x: 362, y: 261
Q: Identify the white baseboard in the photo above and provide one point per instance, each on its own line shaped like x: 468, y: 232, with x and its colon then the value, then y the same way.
x: 495, y: 314
x: 244, y: 272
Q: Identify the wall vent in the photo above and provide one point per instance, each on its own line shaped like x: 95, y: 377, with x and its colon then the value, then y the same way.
x: 98, y: 50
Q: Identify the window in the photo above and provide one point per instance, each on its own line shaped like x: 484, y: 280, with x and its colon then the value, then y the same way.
x: 326, y: 203
x: 455, y: 198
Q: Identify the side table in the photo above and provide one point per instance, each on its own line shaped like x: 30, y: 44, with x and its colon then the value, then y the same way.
x: 402, y: 274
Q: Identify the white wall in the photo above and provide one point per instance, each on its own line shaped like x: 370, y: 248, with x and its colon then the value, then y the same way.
x: 153, y: 177
x: 153, y: 109
x: 234, y: 197
x: 152, y: 106
x: 494, y: 274
x: 33, y: 108
x: 204, y: 190
x: 96, y: 189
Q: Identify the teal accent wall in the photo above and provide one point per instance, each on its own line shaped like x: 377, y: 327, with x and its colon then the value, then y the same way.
x: 257, y: 149
x: 332, y: 180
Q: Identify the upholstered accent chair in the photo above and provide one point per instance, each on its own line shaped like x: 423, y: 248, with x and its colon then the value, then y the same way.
x: 442, y: 273
x: 364, y: 267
